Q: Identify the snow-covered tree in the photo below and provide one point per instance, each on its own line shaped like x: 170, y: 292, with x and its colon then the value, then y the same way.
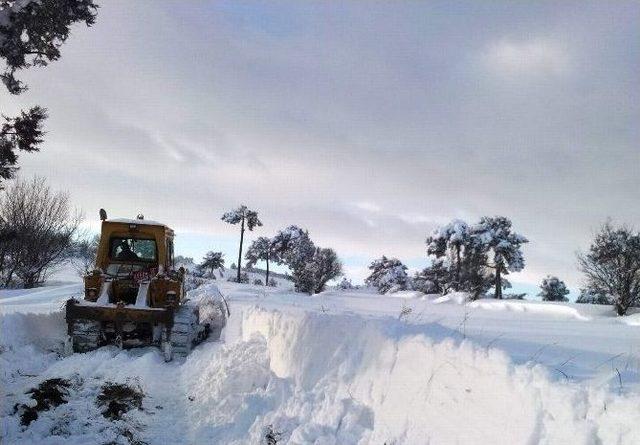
x: 212, y: 261
x: 495, y: 237
x: 31, y: 34
x: 450, y: 241
x: 458, y: 262
x: 311, y: 267
x: 553, y: 289
x: 325, y: 266
x: 22, y: 133
x: 261, y: 249
x: 294, y: 247
x: 612, y: 265
x: 247, y: 218
x: 434, y: 279
x: 388, y: 275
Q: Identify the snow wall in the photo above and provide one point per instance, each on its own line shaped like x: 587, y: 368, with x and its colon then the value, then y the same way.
x: 358, y: 380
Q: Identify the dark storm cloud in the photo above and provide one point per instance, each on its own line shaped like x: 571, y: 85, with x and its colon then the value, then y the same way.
x: 368, y: 123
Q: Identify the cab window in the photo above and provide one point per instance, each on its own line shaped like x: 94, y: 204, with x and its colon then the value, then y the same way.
x: 132, y: 249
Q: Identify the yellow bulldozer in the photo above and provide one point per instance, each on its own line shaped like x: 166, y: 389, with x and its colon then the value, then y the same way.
x: 136, y: 297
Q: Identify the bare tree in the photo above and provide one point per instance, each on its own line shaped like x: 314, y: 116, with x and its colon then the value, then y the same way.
x: 83, y: 253
x: 612, y: 265
x: 42, y: 227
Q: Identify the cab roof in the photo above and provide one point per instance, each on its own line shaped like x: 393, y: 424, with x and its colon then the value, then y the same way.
x: 143, y: 222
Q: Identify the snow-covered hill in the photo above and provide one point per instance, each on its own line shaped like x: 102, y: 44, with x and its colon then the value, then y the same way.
x: 342, y: 367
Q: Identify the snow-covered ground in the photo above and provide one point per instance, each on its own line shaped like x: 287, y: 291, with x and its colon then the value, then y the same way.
x: 342, y: 367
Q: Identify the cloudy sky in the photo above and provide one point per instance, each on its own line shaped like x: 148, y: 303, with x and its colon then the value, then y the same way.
x: 367, y: 123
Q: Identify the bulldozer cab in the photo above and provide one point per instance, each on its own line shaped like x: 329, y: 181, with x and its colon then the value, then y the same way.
x: 135, y: 248
x: 131, y: 253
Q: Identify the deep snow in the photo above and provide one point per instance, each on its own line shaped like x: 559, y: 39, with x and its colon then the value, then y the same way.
x: 342, y: 367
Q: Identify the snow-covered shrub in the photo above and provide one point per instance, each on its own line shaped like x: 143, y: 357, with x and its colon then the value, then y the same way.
x: 117, y: 399
x: 47, y: 395
x: 258, y: 282
x: 345, y: 284
x: 388, y: 275
x: 192, y: 281
x: 272, y: 283
x: 612, y: 264
x: 593, y: 296
x: 553, y: 289
x: 244, y: 278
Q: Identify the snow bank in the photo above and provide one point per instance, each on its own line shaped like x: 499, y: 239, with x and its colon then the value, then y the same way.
x: 545, y: 308
x: 375, y: 381
x: 44, y: 331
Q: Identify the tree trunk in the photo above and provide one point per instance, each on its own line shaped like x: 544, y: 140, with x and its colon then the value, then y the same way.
x: 498, y: 282
x: 621, y: 307
x: 266, y: 280
x: 240, y: 251
x: 458, y: 267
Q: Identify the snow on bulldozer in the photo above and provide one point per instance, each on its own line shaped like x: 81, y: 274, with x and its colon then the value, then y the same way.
x: 136, y: 297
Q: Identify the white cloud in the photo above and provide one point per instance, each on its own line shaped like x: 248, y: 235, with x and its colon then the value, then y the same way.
x: 368, y: 206
x: 529, y: 57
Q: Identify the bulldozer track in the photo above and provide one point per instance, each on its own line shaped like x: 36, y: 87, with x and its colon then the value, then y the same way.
x: 86, y: 335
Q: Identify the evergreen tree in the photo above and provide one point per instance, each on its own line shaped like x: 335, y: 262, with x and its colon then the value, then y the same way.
x: 450, y: 241
x: 245, y: 217
x: 325, y: 267
x: 311, y: 267
x: 294, y: 247
x: 458, y: 262
x: 388, y: 275
x: 261, y: 250
x: 493, y: 236
x: 31, y: 33
x: 212, y: 261
x: 553, y: 289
